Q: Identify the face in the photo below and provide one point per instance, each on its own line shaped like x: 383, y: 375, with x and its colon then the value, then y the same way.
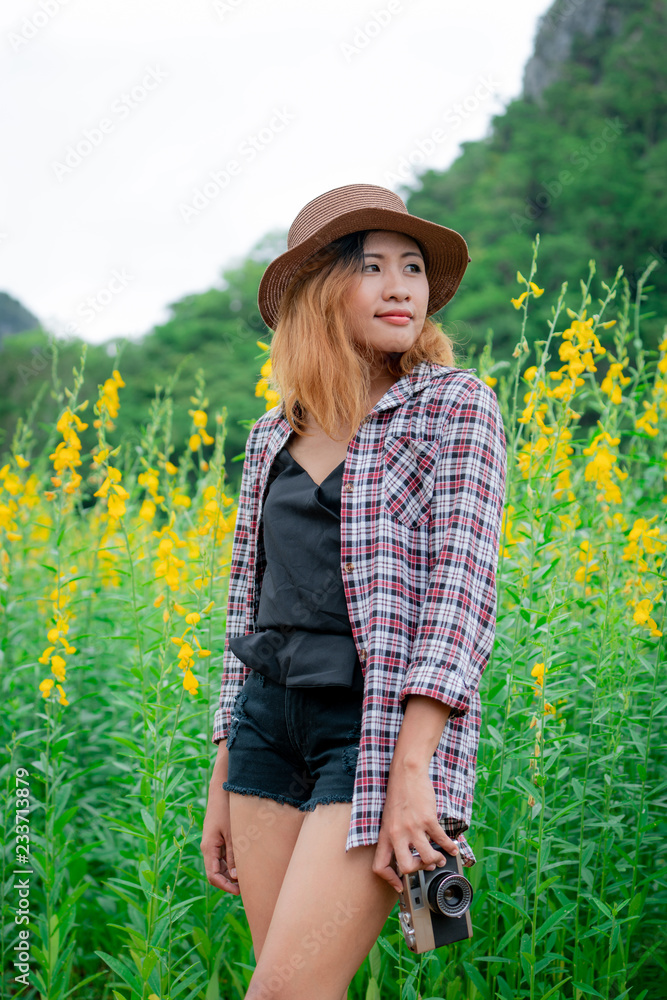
x: 390, y: 301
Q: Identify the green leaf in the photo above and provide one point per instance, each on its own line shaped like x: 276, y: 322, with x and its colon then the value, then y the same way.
x: 502, y: 897
x: 550, y: 993
x: 373, y: 990
x: 122, y: 970
x: 587, y: 989
x: 475, y: 976
x: 375, y: 960
x: 552, y: 921
x: 382, y: 941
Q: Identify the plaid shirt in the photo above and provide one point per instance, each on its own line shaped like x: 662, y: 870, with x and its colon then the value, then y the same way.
x: 421, y: 510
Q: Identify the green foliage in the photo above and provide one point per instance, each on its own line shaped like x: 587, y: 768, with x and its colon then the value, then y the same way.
x: 217, y: 330
x: 584, y: 168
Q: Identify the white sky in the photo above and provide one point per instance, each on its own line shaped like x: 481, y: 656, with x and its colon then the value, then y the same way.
x: 332, y: 96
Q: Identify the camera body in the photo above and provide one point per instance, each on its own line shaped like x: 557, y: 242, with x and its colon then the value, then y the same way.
x: 434, y: 906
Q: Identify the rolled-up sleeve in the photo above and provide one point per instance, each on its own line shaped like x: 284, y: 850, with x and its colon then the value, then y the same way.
x: 457, y: 621
x: 234, y: 672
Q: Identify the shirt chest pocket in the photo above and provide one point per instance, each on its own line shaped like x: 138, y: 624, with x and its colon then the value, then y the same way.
x: 409, y: 478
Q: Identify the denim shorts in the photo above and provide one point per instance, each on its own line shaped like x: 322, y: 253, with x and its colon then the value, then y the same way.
x: 296, y: 745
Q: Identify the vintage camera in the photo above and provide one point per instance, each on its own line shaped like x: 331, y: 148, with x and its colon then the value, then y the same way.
x: 434, y: 905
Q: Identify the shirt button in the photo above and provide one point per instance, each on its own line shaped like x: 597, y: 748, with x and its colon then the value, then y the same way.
x: 348, y: 487
x: 349, y: 567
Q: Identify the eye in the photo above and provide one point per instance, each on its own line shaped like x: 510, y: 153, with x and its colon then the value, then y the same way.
x: 418, y: 266
x: 370, y: 265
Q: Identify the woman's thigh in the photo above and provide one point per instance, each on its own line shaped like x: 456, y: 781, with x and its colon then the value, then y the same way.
x: 264, y: 833
x: 329, y: 912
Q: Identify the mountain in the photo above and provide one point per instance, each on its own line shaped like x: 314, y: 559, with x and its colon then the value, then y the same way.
x: 14, y: 317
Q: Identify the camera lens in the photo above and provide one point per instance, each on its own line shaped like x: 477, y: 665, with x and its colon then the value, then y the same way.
x: 449, y: 894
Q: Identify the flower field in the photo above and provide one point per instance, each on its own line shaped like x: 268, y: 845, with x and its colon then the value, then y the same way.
x: 113, y: 569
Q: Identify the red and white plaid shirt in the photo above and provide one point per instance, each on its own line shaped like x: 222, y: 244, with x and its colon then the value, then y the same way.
x: 421, y: 511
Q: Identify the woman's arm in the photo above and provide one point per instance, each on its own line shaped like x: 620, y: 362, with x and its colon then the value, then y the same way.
x: 234, y: 672
x: 456, y: 626
x: 410, y: 817
x: 457, y: 620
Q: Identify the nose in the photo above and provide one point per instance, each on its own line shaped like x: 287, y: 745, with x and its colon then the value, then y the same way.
x: 395, y: 286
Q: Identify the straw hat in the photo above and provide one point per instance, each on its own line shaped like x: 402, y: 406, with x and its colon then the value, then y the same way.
x: 351, y: 208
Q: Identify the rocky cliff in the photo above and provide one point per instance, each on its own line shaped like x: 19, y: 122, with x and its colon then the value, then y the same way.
x: 565, y: 21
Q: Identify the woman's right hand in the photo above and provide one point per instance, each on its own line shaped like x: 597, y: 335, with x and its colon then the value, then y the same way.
x: 216, y: 842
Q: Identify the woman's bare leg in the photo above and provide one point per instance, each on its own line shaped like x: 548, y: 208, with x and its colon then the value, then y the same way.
x: 264, y: 833
x: 329, y: 912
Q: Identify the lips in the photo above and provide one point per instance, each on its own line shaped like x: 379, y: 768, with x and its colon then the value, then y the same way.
x: 396, y: 318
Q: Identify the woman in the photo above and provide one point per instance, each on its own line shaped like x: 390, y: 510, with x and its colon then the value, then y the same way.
x: 361, y: 608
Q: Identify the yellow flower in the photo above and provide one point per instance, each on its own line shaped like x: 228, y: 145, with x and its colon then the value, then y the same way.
x: 45, y: 687
x: 149, y: 480
x: 520, y: 278
x: 517, y: 303
x: 181, y: 500
x: 208, y: 607
x: 158, y: 601
x: 649, y: 419
x: 190, y: 682
x: 58, y: 667
x: 199, y: 418
x: 538, y: 673
x: 147, y: 511
x: 535, y: 290
x: 642, y: 617
x: 195, y: 442
x: 171, y: 468
x: 44, y: 658
x: 193, y: 618
x: 22, y: 462
x: 116, y: 506
x: 63, y: 699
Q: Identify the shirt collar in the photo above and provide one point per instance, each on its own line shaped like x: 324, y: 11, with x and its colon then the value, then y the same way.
x: 406, y: 386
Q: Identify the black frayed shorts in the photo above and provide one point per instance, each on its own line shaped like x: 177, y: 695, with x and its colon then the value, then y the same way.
x: 296, y: 745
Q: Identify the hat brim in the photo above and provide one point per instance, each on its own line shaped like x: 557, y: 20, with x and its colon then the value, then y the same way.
x: 446, y: 252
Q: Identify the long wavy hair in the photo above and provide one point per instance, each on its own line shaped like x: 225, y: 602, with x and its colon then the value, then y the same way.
x: 317, y: 366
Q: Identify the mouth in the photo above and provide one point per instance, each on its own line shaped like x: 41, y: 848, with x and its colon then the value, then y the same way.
x: 398, y: 317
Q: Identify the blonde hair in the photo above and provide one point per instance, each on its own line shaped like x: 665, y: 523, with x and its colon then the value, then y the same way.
x: 317, y: 366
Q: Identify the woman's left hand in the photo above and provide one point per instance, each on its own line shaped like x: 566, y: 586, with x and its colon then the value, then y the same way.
x: 409, y: 819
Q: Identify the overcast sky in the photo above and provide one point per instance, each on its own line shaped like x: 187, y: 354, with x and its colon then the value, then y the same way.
x: 149, y: 144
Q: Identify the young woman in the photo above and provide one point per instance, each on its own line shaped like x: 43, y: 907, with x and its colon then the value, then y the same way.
x: 361, y: 608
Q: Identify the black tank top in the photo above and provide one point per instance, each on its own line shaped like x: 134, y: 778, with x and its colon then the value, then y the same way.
x: 304, y: 637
